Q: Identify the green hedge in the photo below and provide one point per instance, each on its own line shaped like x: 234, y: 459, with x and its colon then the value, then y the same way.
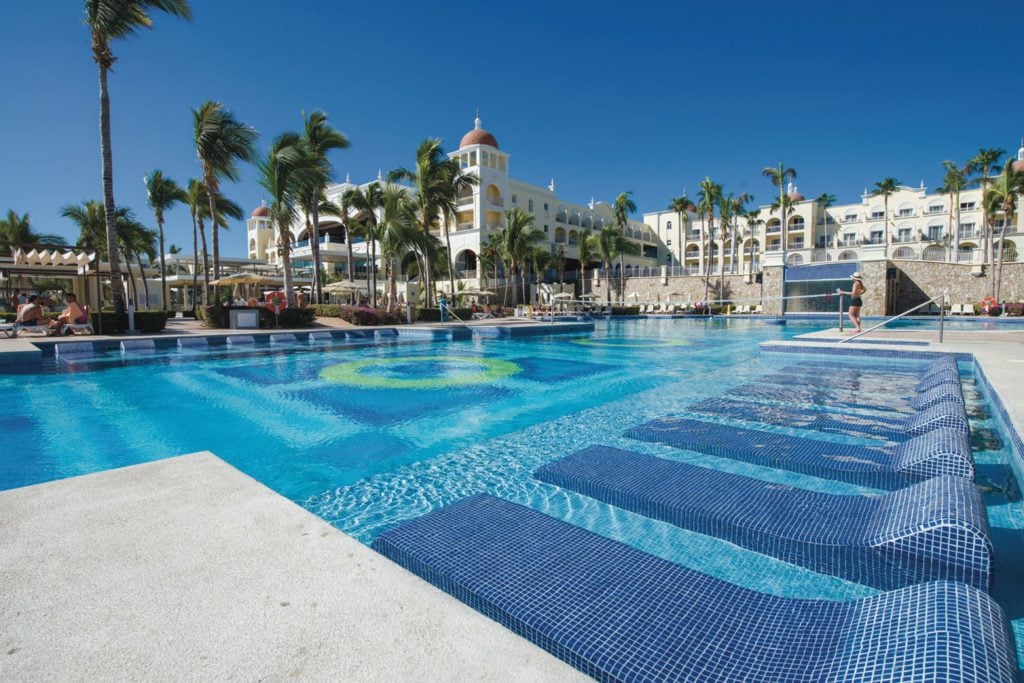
x: 433, y: 315
x: 625, y: 310
x: 219, y: 317
x: 146, y: 322
x: 326, y: 310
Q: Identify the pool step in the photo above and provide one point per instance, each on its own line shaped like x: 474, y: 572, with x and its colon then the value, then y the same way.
x: 938, y: 452
x: 617, y: 613
x: 947, y: 415
x: 934, y: 530
x: 810, y: 396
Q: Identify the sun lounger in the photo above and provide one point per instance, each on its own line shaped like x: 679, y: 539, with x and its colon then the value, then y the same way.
x: 938, y: 452
x: 618, y: 613
x: 758, y: 309
x: 934, y: 530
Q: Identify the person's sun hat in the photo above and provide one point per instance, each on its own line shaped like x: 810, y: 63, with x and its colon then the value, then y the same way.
x: 856, y: 276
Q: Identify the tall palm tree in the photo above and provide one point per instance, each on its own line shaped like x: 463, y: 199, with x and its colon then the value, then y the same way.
x: 162, y: 193
x: 135, y: 239
x: 16, y: 231
x: 558, y: 260
x: 90, y: 219
x: 586, y: 255
x: 825, y: 201
x: 518, y: 239
x: 221, y: 142
x: 367, y: 203
x: 540, y: 260
x: 779, y: 176
x: 283, y: 174
x: 682, y: 206
x: 609, y: 243
x: 886, y: 188
x: 198, y: 207
x: 754, y: 220
x: 110, y: 20
x: 436, y: 180
x: 491, y: 253
x: 396, y: 233
x: 622, y: 209
x: 954, y: 181
x: 320, y: 138
x: 709, y: 194
x: 985, y: 163
x: 1002, y: 196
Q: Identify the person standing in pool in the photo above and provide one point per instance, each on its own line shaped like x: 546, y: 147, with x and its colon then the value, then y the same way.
x: 856, y: 292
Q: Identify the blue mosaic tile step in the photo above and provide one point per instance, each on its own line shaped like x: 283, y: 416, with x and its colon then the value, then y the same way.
x: 934, y: 530
x: 944, y: 393
x: 939, y: 452
x: 948, y: 415
x: 619, y: 614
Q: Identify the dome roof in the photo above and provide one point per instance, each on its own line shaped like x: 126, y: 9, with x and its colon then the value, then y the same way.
x: 478, y: 136
x: 794, y: 195
x: 261, y: 211
x: 1019, y: 166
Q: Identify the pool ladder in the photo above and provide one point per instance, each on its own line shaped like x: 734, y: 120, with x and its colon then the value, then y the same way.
x: 944, y: 297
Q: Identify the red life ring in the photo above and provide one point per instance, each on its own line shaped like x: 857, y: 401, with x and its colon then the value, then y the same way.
x: 988, y: 302
x: 278, y: 298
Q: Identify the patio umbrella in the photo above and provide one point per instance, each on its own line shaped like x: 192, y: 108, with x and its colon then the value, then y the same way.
x: 247, y: 279
x: 342, y: 287
x: 562, y: 295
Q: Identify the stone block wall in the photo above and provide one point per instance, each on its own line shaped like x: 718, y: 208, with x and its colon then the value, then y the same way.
x: 921, y: 280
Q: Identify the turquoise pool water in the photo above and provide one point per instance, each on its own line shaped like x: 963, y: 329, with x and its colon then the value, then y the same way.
x: 367, y: 437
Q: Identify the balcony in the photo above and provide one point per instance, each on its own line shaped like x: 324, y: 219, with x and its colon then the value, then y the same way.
x: 877, y: 217
x: 903, y: 239
x: 464, y: 226
x: 796, y: 244
x: 773, y: 230
x: 933, y: 210
x: 796, y: 227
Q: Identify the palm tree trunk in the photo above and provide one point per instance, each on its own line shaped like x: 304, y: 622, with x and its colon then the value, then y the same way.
x: 206, y: 265
x: 113, y: 254
x: 315, y: 250
x: 348, y: 245
x: 132, y: 288
x: 195, y: 262
x: 608, y: 281
x: 956, y: 235
x: 211, y: 194
x: 163, y: 269
x: 373, y: 263
x: 448, y: 245
x: 145, y: 282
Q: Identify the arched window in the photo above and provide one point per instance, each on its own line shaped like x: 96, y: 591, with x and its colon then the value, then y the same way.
x: 934, y: 253
x: 795, y: 259
x: 559, y: 235
x: 530, y: 205
x: 494, y: 196
x: 848, y: 256
x: 904, y: 253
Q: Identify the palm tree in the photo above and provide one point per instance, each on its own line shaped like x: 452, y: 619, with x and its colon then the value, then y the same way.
x: 985, y: 163
x: 1002, y: 196
x: 320, y: 138
x: 397, y: 234
x: 780, y: 176
x: 198, y: 207
x: 518, y: 239
x: 16, y: 231
x: 135, y: 239
x: 436, y: 180
x: 954, y: 182
x: 491, y: 253
x: 609, y: 243
x: 110, y: 20
x: 558, y: 260
x: 710, y: 192
x: 367, y: 202
x: 283, y: 174
x: 884, y: 189
x: 622, y: 208
x: 162, y: 193
x: 221, y: 142
x: 540, y: 260
x: 90, y: 219
x: 586, y: 255
x: 753, y: 221
x: 825, y: 202
x: 682, y: 206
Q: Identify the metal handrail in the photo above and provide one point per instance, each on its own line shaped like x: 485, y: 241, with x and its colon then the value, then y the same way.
x: 942, y: 315
x: 460, y: 320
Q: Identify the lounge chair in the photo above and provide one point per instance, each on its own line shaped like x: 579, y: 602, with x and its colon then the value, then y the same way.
x: 956, y: 309
x: 966, y: 309
x: 80, y: 328
x: 758, y: 310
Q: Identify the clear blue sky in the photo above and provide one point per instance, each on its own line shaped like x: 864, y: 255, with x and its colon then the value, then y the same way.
x: 642, y: 96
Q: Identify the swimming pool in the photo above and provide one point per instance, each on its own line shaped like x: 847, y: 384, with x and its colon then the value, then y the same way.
x: 368, y: 437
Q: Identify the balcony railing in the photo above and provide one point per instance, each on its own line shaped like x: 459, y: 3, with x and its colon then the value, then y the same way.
x: 796, y: 227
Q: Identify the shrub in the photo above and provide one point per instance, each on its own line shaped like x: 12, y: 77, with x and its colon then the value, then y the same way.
x: 188, y: 314
x: 296, y: 317
x: 625, y: 310
x: 9, y: 317
x: 392, y: 317
x: 146, y: 322
x: 359, y: 315
x: 995, y: 311
x: 326, y: 310
x: 433, y: 315
x: 1014, y: 310
x: 215, y: 316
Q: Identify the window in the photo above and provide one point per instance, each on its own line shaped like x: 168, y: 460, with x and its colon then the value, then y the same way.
x: 545, y: 207
x: 668, y: 226
x: 935, y: 208
x: 515, y: 200
x: 668, y: 243
x: 906, y: 212
x: 876, y: 237
x: 877, y: 215
x: 966, y: 206
x: 904, y: 234
x: 934, y: 233
x: 545, y: 227
x: 530, y: 206
x: 850, y: 217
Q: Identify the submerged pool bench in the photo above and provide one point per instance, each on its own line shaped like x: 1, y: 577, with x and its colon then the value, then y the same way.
x: 617, y: 613
x: 934, y: 453
x: 933, y: 530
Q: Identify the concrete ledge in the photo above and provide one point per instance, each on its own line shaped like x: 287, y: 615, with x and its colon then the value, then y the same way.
x: 187, y: 568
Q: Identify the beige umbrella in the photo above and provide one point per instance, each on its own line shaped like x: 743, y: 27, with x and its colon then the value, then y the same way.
x: 342, y: 287
x: 247, y: 279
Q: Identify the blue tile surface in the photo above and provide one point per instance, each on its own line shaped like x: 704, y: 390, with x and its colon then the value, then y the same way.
x: 934, y: 530
x: 939, y: 452
x: 619, y: 614
x: 947, y: 415
x: 829, y: 398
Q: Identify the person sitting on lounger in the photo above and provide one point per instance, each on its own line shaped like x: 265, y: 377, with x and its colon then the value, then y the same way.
x: 74, y: 314
x: 31, y: 314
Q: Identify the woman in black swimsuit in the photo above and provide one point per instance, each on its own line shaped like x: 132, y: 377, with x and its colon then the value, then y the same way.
x: 856, y: 292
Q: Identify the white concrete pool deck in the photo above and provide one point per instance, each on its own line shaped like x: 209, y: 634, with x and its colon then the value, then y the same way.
x: 187, y: 568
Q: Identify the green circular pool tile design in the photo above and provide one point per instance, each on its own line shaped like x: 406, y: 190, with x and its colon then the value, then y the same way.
x: 360, y: 373
x: 629, y: 343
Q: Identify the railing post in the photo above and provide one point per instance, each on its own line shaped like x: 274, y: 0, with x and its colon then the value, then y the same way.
x: 942, y: 315
x: 840, y: 311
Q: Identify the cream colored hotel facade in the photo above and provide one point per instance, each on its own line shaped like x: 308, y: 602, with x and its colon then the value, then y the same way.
x: 920, y: 226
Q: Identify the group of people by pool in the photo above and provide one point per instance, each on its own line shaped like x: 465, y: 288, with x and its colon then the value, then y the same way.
x: 31, y: 312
